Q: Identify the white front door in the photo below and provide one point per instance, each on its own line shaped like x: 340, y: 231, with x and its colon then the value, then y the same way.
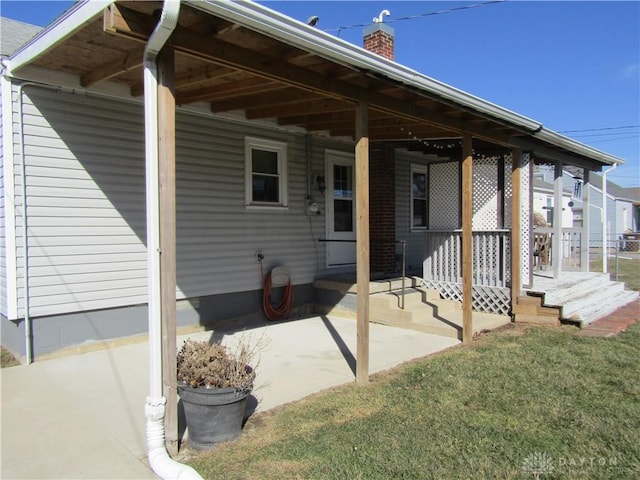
x: 341, y: 209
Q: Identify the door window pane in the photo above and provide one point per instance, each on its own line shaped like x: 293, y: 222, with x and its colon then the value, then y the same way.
x: 343, y: 215
x: 343, y: 181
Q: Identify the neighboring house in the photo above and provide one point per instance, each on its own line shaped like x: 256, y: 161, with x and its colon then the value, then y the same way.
x: 14, y: 35
x: 622, y: 203
x: 276, y: 123
x: 544, y: 204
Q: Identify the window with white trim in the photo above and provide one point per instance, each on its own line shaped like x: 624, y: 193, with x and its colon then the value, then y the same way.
x: 418, y: 197
x: 265, y: 173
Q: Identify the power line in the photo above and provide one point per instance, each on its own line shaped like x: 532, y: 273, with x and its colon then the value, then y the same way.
x: 599, y: 129
x: 613, y: 134
x: 422, y: 15
x: 615, y: 139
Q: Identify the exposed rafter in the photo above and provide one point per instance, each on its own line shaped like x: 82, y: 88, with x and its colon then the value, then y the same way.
x: 135, y: 25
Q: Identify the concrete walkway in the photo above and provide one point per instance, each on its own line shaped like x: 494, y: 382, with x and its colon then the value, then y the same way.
x: 82, y: 416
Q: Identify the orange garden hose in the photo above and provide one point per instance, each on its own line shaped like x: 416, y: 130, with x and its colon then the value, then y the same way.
x: 281, y: 310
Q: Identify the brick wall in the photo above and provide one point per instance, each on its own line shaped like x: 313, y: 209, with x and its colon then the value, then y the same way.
x: 382, y: 210
x: 378, y: 38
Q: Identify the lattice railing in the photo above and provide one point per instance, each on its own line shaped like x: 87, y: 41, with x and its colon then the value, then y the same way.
x: 484, y: 298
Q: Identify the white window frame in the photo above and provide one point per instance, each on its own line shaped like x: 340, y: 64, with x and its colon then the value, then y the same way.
x: 280, y: 148
x: 421, y: 169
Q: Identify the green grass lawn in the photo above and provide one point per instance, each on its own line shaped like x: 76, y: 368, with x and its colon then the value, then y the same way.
x: 517, y: 402
x: 628, y: 270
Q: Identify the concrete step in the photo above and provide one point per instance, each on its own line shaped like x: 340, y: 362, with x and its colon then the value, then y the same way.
x: 436, y: 316
x: 422, y: 300
x: 598, y: 309
x: 561, y: 296
x: 588, y: 297
x: 383, y: 308
x: 425, y: 296
x: 450, y: 324
x: 388, y: 285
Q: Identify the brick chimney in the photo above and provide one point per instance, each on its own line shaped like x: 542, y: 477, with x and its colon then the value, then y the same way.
x: 378, y: 38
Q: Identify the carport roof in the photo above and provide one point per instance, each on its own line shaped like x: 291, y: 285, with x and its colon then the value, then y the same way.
x: 245, y: 56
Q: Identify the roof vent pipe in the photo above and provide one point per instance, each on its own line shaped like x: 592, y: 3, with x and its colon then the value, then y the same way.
x: 159, y: 460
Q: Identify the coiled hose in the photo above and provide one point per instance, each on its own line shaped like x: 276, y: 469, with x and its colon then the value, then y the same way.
x: 282, y: 309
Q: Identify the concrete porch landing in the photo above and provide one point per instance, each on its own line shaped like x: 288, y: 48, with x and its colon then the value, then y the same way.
x: 425, y: 311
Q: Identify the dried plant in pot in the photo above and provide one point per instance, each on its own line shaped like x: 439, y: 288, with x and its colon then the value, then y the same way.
x: 214, y: 384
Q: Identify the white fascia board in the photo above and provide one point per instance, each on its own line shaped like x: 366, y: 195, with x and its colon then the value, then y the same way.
x: 294, y: 32
x: 66, y: 25
x: 9, y: 198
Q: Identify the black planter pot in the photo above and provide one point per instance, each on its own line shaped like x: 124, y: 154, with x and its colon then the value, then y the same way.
x: 214, y: 415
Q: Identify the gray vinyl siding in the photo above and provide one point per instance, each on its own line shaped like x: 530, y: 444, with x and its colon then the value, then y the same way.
x: 85, y: 203
x: 217, y: 235
x: 3, y: 248
x: 86, y: 206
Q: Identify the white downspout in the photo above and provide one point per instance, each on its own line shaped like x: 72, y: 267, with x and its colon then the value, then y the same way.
x: 605, y: 252
x: 159, y: 460
x: 25, y: 228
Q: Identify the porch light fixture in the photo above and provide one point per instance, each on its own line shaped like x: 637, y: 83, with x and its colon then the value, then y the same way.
x: 322, y: 185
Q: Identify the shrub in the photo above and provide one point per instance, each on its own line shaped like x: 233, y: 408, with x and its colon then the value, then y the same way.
x: 201, y: 364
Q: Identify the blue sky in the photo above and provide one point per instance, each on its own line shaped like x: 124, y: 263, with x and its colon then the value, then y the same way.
x: 573, y: 66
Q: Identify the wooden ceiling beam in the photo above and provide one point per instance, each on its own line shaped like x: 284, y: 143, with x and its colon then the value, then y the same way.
x: 227, y: 90
x: 191, y: 77
x: 333, y: 117
x: 129, y: 61
x: 321, y: 105
x: 283, y: 96
x: 125, y: 22
x: 382, y: 132
x: 407, y: 127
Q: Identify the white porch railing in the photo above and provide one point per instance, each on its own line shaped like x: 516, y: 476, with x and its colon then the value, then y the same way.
x: 570, y: 244
x: 490, y: 257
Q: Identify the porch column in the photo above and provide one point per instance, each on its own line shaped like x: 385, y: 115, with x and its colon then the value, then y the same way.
x: 467, y: 225
x: 516, y: 227
x: 362, y: 242
x: 556, y: 245
x: 167, y: 207
x: 586, y: 222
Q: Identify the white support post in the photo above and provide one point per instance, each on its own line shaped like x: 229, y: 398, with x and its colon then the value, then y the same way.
x: 556, y: 246
x: 586, y: 222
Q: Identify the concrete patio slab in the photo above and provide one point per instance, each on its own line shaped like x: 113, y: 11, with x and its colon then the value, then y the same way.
x: 82, y: 416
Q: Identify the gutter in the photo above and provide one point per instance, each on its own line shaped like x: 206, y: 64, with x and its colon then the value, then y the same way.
x: 553, y: 138
x: 159, y: 460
